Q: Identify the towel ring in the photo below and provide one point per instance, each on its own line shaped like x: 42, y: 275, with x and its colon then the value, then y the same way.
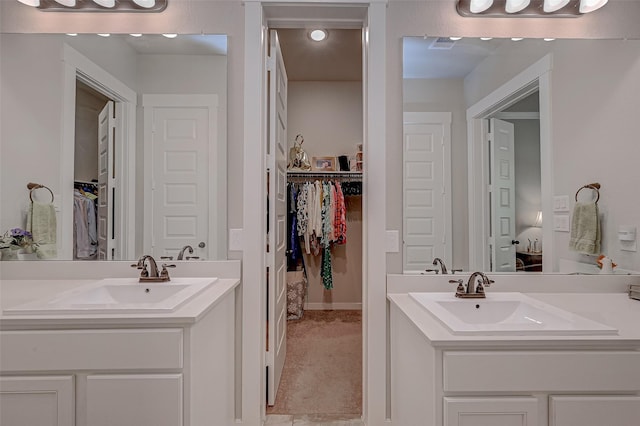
x: 595, y: 186
x: 33, y: 186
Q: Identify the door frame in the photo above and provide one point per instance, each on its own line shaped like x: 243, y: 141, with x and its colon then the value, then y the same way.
x: 374, y: 306
x: 79, y: 67
x: 535, y: 77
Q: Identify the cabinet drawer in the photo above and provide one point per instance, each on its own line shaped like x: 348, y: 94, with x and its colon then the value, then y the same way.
x: 594, y: 410
x: 504, y: 411
x: 90, y: 349
x: 532, y: 371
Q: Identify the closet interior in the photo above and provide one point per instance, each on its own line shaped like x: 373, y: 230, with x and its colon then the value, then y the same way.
x: 86, y: 216
x: 322, y: 374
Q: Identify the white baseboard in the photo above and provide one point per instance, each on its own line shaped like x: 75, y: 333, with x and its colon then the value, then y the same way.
x: 333, y: 306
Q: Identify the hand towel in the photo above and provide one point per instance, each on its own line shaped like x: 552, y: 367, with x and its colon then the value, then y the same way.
x: 41, y: 222
x: 585, y: 229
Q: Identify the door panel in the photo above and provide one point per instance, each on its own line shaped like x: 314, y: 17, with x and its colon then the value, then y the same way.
x: 503, y: 209
x: 426, y: 189
x: 180, y: 179
x: 106, y: 182
x: 277, y: 202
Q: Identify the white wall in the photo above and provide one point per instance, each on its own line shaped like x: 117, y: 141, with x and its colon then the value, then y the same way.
x: 328, y: 114
x: 444, y: 95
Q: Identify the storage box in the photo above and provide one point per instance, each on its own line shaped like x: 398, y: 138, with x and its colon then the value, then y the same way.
x: 296, y: 290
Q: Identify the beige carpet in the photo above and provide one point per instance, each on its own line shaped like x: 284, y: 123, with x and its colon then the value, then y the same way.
x: 323, y: 368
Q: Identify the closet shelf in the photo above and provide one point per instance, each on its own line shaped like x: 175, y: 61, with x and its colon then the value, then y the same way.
x: 354, y: 176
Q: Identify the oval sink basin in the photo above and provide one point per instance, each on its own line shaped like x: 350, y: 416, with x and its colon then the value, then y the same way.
x: 506, y: 314
x: 118, y: 295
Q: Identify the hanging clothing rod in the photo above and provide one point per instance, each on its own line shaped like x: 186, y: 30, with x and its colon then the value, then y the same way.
x: 352, y: 176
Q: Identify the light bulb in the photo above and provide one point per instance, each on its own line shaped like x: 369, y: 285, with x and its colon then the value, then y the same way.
x: 553, y: 5
x: 145, y: 3
x: 479, y: 6
x: 34, y: 3
x: 318, y: 35
x: 514, y: 6
x: 68, y: 3
x: 105, y: 3
x: 587, y: 6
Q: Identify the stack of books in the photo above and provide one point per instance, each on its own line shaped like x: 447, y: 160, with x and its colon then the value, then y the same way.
x: 634, y: 291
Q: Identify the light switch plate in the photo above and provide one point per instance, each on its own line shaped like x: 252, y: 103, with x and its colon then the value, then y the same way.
x: 392, y: 241
x: 561, y: 222
x: 235, y: 239
x: 561, y: 203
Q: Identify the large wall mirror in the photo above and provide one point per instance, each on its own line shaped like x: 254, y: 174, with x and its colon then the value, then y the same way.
x: 548, y: 114
x: 128, y: 136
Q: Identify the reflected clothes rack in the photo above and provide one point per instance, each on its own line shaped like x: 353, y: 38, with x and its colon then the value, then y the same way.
x: 85, y: 230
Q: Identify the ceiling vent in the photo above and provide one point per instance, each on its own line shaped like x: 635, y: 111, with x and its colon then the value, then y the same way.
x: 442, y: 43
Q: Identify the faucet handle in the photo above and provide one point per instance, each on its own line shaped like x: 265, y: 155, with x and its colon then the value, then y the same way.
x: 437, y: 271
x: 488, y: 283
x: 453, y: 271
x: 166, y: 257
x: 164, y: 273
x: 460, y: 288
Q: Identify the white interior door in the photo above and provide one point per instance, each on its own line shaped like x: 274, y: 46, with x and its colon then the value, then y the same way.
x: 503, y: 208
x: 180, y: 180
x: 426, y: 189
x: 277, y: 202
x: 106, y: 182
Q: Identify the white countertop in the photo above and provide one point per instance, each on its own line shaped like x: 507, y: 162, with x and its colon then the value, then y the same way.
x: 17, y: 292
x: 613, y: 309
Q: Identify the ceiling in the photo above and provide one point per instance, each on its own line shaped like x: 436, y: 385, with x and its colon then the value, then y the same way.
x: 339, y: 57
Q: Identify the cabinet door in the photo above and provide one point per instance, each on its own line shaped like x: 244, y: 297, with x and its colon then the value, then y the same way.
x: 37, y: 401
x: 134, y: 400
x: 498, y: 411
x: 594, y: 410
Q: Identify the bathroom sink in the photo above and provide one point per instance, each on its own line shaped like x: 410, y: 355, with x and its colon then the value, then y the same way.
x: 506, y: 314
x: 118, y: 295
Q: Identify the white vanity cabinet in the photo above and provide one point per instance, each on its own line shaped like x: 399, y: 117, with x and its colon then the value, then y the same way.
x: 173, y: 370
x: 499, y: 382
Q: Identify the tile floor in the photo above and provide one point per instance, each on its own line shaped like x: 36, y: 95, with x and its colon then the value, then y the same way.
x: 312, y: 420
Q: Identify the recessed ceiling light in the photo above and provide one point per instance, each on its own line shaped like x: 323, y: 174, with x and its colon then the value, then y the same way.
x: 318, y: 35
x: 486, y: 38
x: 516, y: 38
x: 104, y: 35
x: 455, y: 38
x: 135, y: 35
x: 170, y: 35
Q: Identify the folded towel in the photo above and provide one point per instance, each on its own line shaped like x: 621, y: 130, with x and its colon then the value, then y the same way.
x: 585, y: 229
x: 41, y: 222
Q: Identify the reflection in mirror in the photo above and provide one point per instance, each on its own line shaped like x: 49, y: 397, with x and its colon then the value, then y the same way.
x: 129, y: 133
x: 558, y: 131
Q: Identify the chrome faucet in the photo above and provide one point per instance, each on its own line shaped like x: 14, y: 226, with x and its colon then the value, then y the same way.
x: 151, y: 273
x: 474, y: 288
x: 181, y: 254
x: 443, y: 268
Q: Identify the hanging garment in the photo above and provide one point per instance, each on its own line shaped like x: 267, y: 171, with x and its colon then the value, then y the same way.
x: 340, y: 221
x: 84, y: 223
x: 292, y: 216
x: 326, y: 272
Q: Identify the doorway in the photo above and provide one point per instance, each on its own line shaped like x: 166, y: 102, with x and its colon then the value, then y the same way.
x: 93, y: 181
x: 315, y: 357
x: 533, y: 80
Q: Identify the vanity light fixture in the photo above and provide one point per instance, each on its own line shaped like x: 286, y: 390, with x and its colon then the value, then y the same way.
x: 455, y: 38
x: 104, y: 34
x: 170, y: 35
x: 548, y: 39
x: 135, y: 35
x: 97, y: 5
x: 318, y: 35
x: 486, y: 38
x: 517, y: 38
x: 527, y: 8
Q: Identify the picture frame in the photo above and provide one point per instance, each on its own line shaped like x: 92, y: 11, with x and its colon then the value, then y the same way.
x: 323, y: 164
